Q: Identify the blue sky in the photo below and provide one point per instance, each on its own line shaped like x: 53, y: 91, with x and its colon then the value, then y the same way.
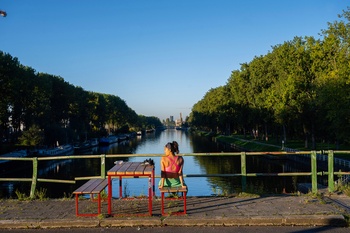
x: 160, y: 56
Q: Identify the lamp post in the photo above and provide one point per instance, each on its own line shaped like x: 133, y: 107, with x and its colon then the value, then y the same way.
x: 3, y: 13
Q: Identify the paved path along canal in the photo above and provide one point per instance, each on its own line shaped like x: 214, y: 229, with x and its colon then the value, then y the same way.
x: 276, y: 210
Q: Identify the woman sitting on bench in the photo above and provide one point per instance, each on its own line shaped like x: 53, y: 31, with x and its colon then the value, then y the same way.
x: 171, y: 167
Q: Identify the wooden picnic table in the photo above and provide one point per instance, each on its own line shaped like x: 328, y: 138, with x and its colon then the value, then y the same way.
x: 133, y: 170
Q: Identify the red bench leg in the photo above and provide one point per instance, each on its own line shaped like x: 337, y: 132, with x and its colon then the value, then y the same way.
x: 76, y: 205
x: 99, y: 204
x: 185, y: 204
x: 178, y: 213
x: 162, y: 208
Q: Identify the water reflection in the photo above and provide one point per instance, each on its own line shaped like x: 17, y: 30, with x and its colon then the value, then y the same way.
x: 153, y: 143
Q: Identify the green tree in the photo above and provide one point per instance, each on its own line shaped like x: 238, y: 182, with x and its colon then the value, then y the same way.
x: 9, y: 67
x: 31, y: 137
x: 333, y: 77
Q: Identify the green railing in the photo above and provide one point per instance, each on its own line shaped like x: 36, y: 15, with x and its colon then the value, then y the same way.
x: 313, y: 170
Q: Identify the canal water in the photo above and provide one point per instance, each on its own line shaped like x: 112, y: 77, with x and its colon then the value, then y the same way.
x: 153, y: 143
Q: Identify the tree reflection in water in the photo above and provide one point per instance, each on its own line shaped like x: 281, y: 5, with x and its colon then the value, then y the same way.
x: 154, y: 144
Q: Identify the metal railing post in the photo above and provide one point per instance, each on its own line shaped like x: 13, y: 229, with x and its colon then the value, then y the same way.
x: 331, y: 171
x: 103, y: 166
x: 243, y: 171
x: 332, y: 162
x: 314, y: 171
x: 34, y: 178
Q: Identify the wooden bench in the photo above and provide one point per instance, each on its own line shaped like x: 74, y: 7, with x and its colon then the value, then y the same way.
x: 92, y: 187
x: 173, y: 190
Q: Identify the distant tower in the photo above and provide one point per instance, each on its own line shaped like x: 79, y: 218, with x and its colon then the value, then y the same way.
x: 181, y: 117
x: 171, y: 118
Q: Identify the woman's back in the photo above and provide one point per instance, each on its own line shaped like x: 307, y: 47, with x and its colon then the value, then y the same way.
x: 171, y: 167
x: 173, y: 164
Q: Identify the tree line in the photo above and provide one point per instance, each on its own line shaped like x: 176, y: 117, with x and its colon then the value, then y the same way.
x: 49, y: 109
x: 298, y: 90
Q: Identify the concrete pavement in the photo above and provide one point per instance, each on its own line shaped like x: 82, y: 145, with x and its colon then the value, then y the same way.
x: 302, y: 210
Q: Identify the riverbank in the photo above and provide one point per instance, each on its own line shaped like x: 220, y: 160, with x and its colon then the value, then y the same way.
x: 274, y: 210
x: 241, y: 143
x: 248, y: 143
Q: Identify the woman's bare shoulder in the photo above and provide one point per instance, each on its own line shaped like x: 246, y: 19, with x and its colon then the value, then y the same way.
x: 179, y: 157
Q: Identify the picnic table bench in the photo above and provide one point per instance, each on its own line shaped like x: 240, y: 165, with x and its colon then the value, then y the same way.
x: 92, y: 187
x: 172, y: 190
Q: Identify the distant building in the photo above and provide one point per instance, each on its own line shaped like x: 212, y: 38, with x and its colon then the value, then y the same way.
x: 178, y: 123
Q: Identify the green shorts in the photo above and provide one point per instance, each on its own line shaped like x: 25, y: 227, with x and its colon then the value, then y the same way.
x: 171, y: 182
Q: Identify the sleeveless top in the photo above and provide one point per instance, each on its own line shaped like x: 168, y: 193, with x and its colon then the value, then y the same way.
x: 172, y: 182
x: 171, y: 164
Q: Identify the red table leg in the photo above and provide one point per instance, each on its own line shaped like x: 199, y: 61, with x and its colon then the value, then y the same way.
x: 109, y: 195
x: 150, y: 196
x: 120, y: 187
x: 153, y: 181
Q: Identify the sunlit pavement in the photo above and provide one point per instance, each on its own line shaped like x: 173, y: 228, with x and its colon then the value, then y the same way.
x: 277, y: 210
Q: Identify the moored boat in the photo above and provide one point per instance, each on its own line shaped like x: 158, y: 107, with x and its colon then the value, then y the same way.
x: 57, y: 151
x: 150, y: 130
x: 87, y: 145
x: 94, y: 142
x: 14, y: 154
x: 78, y: 147
x: 122, y: 137
x: 105, y: 141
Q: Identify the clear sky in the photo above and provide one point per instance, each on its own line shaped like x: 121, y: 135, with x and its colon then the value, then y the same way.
x: 160, y: 56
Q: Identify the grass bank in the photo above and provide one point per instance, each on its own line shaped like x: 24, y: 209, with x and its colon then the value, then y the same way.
x: 249, y: 143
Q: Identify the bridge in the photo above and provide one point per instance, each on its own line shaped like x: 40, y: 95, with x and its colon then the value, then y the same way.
x: 313, y: 156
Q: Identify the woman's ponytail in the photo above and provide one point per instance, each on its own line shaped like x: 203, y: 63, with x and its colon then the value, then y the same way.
x: 175, y: 147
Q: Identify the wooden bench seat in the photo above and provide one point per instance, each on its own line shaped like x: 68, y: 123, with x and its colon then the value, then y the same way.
x: 173, y: 190
x: 92, y: 187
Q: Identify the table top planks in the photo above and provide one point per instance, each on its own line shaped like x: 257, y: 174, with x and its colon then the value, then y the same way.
x: 131, y: 169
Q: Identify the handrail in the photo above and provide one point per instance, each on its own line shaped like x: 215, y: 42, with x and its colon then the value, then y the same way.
x: 313, y: 173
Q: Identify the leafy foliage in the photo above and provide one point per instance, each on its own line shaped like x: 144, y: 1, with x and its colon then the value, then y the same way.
x: 31, y: 137
x: 40, y: 108
x: 298, y: 90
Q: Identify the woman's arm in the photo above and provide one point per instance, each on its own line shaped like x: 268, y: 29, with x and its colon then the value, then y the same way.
x: 180, y: 172
x: 162, y: 168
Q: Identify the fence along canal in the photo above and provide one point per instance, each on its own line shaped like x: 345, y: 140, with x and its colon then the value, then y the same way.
x: 313, y: 173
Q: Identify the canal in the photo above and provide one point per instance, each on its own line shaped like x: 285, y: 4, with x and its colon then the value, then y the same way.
x: 153, y: 143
